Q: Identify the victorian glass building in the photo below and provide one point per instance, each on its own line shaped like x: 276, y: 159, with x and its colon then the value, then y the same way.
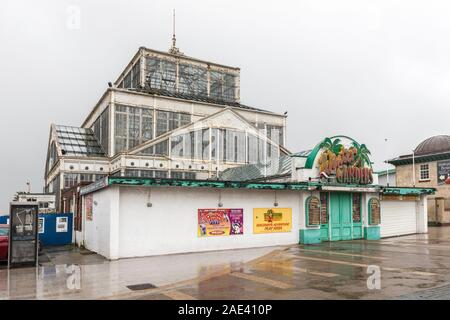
x: 166, y: 116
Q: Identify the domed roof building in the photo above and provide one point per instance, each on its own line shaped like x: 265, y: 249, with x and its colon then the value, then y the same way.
x: 433, y: 145
x: 428, y: 166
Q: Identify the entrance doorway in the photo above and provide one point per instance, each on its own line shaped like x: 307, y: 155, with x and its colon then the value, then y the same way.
x: 343, y: 216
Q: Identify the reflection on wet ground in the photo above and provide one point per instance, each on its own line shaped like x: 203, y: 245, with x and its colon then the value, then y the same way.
x: 409, y: 267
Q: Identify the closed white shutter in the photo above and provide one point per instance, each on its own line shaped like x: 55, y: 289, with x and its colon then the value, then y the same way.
x: 398, y: 218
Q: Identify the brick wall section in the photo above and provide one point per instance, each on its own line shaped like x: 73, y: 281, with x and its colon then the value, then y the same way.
x: 436, y: 202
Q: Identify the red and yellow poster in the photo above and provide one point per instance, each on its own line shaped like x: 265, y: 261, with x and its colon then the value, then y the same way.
x: 220, y: 222
x: 270, y: 220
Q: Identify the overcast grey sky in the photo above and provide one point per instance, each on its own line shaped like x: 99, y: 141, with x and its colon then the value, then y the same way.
x: 368, y: 69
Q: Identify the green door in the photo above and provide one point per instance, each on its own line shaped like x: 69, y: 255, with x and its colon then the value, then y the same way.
x: 341, y: 216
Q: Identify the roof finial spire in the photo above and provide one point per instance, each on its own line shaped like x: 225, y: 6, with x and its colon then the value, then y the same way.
x: 174, y: 49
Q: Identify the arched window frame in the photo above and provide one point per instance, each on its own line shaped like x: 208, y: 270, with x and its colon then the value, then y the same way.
x: 307, y: 211
x: 370, y: 222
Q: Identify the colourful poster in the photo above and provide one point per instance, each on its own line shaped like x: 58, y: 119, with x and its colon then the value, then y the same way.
x: 89, y: 200
x: 220, y: 222
x: 270, y: 220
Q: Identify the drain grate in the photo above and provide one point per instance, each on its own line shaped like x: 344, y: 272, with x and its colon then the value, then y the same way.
x: 142, y: 286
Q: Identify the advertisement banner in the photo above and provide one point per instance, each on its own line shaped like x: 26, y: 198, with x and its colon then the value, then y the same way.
x: 41, y: 225
x: 61, y: 224
x: 220, y: 222
x: 89, y: 201
x: 271, y: 220
x: 443, y: 172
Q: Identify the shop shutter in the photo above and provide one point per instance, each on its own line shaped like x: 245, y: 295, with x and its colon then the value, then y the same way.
x: 398, y: 218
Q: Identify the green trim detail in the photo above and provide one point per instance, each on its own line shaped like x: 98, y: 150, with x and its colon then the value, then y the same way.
x: 407, y: 191
x: 310, y: 236
x: 307, y: 202
x: 372, y: 233
x: 385, y: 172
x: 154, y: 182
x: 419, y: 159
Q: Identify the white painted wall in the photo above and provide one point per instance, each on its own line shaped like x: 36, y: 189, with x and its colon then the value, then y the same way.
x: 170, y: 225
x: 124, y: 226
x: 97, y: 232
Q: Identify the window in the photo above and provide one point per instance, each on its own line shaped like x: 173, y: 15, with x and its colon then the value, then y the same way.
x: 86, y: 177
x: 161, y: 75
x: 222, y: 86
x: 424, y: 172
x: 70, y: 179
x: 190, y: 175
x: 136, y: 74
x: 161, y: 174
x: 131, y: 173
x: 192, y: 80
x: 101, y: 129
x: 312, y: 211
x: 356, y: 207
x: 133, y: 126
x: 53, y: 155
x: 275, y: 133
x: 232, y: 146
x: 176, y: 175
x: 147, y: 173
x: 99, y: 176
x: 168, y: 121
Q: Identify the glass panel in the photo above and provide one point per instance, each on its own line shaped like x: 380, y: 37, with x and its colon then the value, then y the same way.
x: 147, y: 173
x: 229, y: 87
x: 132, y: 173
x: 86, y: 177
x: 177, y: 146
x: 214, y: 143
x: 168, y: 76
x: 153, y: 68
x: 147, y: 125
x: 136, y: 74
x: 176, y: 175
x: 121, y: 125
x: 70, y: 179
x: 215, y: 89
x: 162, y: 148
x: 161, y: 174
x: 161, y: 122
x: 190, y: 175
x: 192, y: 80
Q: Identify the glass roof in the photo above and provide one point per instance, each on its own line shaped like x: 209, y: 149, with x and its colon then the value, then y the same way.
x: 249, y: 172
x: 78, y: 142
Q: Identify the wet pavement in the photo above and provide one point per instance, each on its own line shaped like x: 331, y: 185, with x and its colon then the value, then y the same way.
x: 408, y: 267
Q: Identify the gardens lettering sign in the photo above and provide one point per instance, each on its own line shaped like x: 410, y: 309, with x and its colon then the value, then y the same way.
x: 349, y: 165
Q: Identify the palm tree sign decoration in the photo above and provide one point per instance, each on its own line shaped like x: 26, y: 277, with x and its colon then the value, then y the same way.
x: 349, y: 165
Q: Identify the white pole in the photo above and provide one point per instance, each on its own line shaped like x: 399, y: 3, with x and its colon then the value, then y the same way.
x: 414, y: 170
x: 387, y: 169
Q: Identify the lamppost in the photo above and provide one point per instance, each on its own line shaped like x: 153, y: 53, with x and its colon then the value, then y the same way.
x: 387, y: 167
x: 414, y: 170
